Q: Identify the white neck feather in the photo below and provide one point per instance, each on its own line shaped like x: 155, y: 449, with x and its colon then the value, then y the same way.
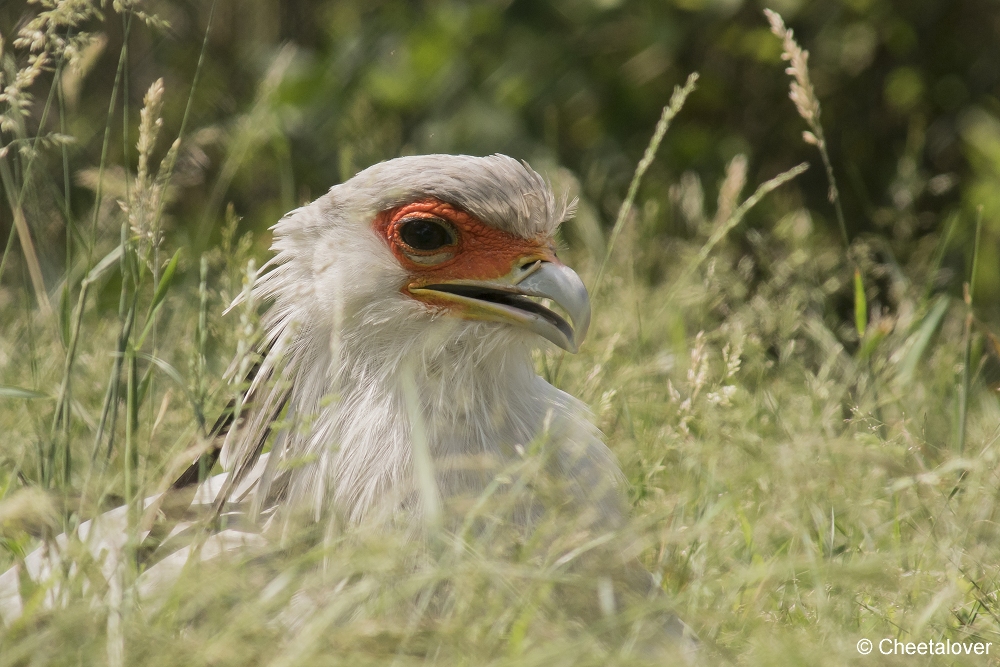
x: 476, y: 403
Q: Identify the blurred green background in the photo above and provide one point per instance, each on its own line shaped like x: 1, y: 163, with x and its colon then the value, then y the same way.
x: 298, y: 95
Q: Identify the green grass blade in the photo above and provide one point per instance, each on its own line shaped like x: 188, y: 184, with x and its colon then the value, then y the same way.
x: 860, y: 305
x: 165, y: 280
x: 922, y: 339
x: 19, y: 392
x: 161, y: 292
x: 111, y: 259
x: 171, y: 372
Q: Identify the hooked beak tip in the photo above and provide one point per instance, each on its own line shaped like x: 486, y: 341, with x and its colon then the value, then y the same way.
x: 508, y: 300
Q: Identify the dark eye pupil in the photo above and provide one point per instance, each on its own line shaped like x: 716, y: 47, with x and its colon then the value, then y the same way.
x: 425, y: 234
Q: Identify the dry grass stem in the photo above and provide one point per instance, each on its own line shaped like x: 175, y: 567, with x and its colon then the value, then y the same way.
x: 807, y: 104
x: 677, y: 99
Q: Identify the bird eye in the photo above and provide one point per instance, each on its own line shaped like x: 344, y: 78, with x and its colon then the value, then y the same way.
x: 426, y: 234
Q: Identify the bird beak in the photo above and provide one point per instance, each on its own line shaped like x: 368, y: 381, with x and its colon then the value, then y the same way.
x: 510, y: 300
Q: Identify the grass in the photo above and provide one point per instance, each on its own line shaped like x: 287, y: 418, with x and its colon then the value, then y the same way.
x: 798, y: 481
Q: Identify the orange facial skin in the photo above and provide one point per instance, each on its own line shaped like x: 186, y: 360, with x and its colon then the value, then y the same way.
x: 480, y: 252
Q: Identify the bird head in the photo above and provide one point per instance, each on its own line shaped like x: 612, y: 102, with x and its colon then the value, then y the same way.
x: 404, y: 301
x: 464, y: 242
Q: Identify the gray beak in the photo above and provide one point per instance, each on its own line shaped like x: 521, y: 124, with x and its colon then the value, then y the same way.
x: 511, y: 300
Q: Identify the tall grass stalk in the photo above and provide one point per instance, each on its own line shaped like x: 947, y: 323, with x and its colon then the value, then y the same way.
x: 932, y: 275
x: 101, y: 166
x: 19, y: 101
x: 251, y: 130
x: 676, y: 103
x: 807, y: 104
x: 969, y: 291
x: 167, y: 169
x: 673, y: 107
x: 24, y: 234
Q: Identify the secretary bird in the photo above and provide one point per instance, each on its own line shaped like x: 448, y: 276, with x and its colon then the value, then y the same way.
x: 404, y: 305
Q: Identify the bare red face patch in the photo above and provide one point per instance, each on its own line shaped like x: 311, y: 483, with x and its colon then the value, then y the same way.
x: 439, y: 243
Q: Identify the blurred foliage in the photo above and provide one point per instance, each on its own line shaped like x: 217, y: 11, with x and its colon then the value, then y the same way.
x: 297, y: 95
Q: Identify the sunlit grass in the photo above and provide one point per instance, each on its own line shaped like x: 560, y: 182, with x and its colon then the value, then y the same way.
x: 798, y: 482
